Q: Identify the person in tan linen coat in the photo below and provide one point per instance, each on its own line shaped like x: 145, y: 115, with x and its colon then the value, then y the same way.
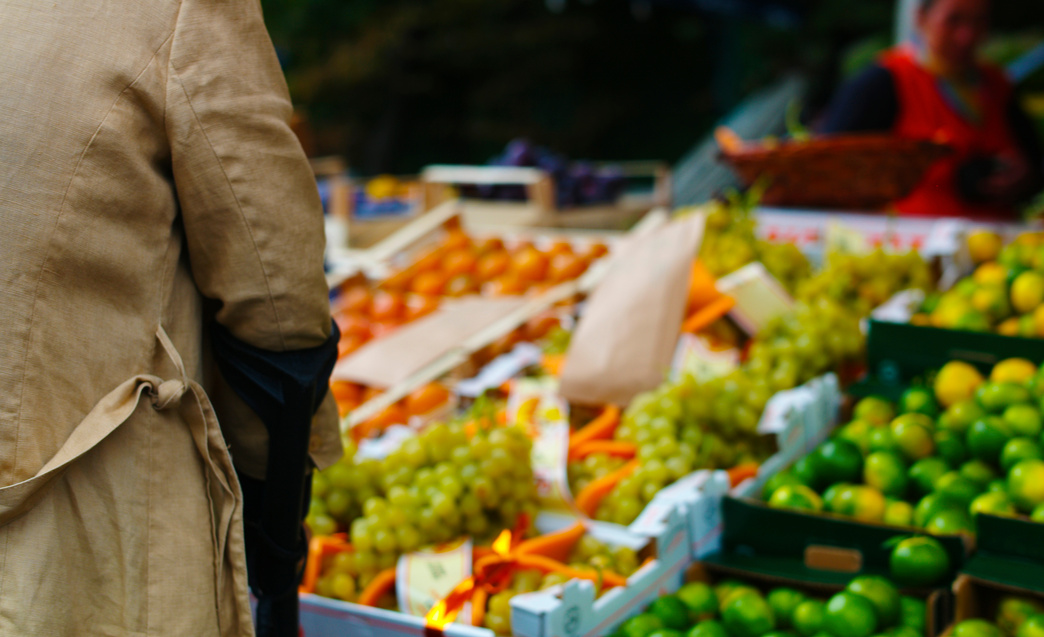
x: 145, y: 165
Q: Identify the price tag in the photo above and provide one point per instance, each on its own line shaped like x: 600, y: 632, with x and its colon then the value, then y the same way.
x: 425, y: 577
x: 695, y: 357
x: 846, y: 240
x: 500, y: 370
x: 759, y: 297
x: 536, y: 404
x: 900, y: 307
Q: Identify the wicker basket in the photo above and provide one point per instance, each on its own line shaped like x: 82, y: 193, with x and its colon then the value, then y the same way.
x: 850, y: 172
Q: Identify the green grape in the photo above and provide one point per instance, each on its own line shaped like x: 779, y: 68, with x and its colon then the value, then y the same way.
x: 384, y: 541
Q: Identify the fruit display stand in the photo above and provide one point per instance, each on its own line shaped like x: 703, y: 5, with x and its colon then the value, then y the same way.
x: 1007, y: 562
x: 572, y: 609
x: 539, y: 207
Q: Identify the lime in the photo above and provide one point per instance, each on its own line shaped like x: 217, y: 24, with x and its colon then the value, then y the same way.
x: 925, y: 472
x: 918, y: 561
x: 667, y: 632
x: 979, y: 321
x: 882, y: 594
x: 708, y: 628
x: 976, y: 628
x: 832, y: 496
x: 918, y: 400
x: 905, y: 631
x: 995, y: 503
x: 997, y: 486
x: 932, y: 504
x: 950, y: 522
x: 978, y: 472
x: 1019, y: 449
x: 913, y: 612
x: 956, y: 381
x: 1037, y: 515
x: 786, y: 476
x: 957, y: 487
x: 1026, y: 484
x: 862, y: 503
x: 996, y: 397
x: 987, y: 437
x: 642, y: 625
x: 913, y: 436
x: 796, y: 496
x: 874, y: 410
x: 991, y: 301
x: 808, y: 617
x: 1014, y: 370
x: 725, y: 588
x: 805, y: 471
x: 838, y: 461
x: 960, y: 415
x: 886, y: 472
x: 1024, y: 420
x: 700, y: 599
x: 1012, y: 612
x: 747, y: 615
x: 850, y: 615
x: 671, y: 611
x: 1036, y: 385
x: 881, y: 439
x: 950, y: 447
x: 898, y: 513
x: 1032, y: 627
x: 858, y: 433
x: 783, y: 602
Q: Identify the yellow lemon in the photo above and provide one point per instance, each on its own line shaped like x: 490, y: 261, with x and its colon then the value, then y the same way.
x: 1031, y: 239
x: 1027, y: 292
x: 1013, y: 370
x: 992, y: 300
x: 1010, y: 327
x: 956, y: 381
x: 990, y: 273
x: 984, y: 245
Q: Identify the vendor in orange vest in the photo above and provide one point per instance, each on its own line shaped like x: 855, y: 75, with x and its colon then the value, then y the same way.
x: 936, y: 88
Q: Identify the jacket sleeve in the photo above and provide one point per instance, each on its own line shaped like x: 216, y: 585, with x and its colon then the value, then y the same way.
x: 249, y: 203
x: 248, y: 199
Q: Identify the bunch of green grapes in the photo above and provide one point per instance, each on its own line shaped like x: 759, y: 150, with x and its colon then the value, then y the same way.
x: 588, y: 554
x: 342, y: 577
x: 441, y: 486
x: 862, y: 282
x: 686, y: 425
x: 586, y: 470
x: 339, y: 492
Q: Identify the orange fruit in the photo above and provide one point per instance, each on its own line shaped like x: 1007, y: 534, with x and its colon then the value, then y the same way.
x: 430, y: 283
x: 456, y: 239
x: 429, y: 260
x: 539, y: 326
x: 597, y: 251
x: 461, y: 285
x: 349, y: 344
x: 559, y: 247
x: 352, y: 324
x: 459, y: 262
x: 530, y: 265
x: 505, y: 285
x: 348, y: 395
x: 566, y: 267
x: 492, y: 244
x: 426, y: 399
x: 387, y: 306
x: 418, y: 306
x: 492, y: 264
x: 357, y: 298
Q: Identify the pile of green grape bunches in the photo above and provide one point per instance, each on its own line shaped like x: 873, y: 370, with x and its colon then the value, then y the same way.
x: 685, y: 425
x: 862, y: 282
x: 589, y: 553
x: 730, y: 243
x: 586, y: 470
x: 436, y: 487
x: 343, y: 577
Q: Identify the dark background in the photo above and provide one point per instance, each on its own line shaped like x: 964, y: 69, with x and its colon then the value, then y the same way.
x: 394, y: 85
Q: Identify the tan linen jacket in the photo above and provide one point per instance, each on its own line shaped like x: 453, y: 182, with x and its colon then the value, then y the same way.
x: 145, y: 164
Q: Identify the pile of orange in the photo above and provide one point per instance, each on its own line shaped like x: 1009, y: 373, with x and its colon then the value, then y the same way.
x: 460, y: 265
x: 422, y: 401
x: 364, y: 314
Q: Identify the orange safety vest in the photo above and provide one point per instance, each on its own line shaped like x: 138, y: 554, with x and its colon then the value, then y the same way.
x: 924, y: 113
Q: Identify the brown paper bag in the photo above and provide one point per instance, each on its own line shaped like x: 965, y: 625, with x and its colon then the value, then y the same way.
x: 389, y: 360
x: 624, y: 342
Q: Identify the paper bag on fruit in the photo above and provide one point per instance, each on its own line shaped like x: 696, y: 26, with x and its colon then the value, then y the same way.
x: 625, y: 340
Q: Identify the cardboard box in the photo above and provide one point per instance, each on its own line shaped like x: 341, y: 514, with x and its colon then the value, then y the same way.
x: 1008, y: 561
x: 571, y: 610
x: 898, y: 353
x: 324, y: 617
